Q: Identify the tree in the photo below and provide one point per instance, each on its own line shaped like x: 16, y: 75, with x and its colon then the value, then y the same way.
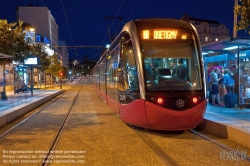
x: 243, y: 10
x: 12, y: 43
x: 39, y: 51
x: 55, y: 67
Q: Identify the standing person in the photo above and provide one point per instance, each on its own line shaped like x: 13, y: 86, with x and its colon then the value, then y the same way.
x: 222, y: 91
x: 238, y: 88
x: 228, y: 81
x: 180, y: 71
x: 172, y: 64
x: 214, y: 86
x: 149, y: 72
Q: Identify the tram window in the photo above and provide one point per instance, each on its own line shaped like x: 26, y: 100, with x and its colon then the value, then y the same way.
x: 164, y: 52
x: 129, y: 78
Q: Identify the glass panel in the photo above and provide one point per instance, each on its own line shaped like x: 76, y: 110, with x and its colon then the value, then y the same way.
x: 171, y: 64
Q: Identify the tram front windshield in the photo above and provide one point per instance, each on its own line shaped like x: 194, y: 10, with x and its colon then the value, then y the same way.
x: 171, y: 64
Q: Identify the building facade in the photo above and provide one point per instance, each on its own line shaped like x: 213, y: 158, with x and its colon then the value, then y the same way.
x: 64, y: 53
x: 43, y: 21
x: 208, y: 30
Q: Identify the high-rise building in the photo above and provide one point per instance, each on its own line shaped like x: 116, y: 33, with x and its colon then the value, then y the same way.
x: 42, y: 20
x: 208, y: 30
x: 64, y: 53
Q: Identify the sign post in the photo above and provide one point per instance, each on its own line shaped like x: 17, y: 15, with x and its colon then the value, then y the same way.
x: 31, y: 61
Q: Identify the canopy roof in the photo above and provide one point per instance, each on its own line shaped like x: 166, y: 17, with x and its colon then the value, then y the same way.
x: 226, y: 45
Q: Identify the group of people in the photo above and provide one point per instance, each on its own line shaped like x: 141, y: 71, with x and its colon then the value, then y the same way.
x: 224, y: 82
x: 180, y: 70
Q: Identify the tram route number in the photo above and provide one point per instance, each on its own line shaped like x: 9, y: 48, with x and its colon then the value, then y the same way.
x: 122, y: 97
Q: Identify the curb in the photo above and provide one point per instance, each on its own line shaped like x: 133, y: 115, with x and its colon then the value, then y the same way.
x: 225, y: 129
x: 15, y: 112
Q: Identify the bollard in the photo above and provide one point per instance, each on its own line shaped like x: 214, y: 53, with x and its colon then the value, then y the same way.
x: 3, y: 96
x: 60, y: 84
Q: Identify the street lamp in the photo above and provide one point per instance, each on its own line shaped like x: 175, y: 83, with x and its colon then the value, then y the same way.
x: 69, y: 74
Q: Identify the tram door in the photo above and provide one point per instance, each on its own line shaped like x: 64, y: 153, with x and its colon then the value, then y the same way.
x: 128, y: 80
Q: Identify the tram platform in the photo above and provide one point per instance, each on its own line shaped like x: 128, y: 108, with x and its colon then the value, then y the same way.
x: 229, y: 123
x: 225, y: 122
x: 19, y: 104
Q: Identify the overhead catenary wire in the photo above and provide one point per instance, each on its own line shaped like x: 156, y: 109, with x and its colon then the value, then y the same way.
x: 133, y: 10
x: 113, y: 21
x: 69, y: 29
x: 110, y: 26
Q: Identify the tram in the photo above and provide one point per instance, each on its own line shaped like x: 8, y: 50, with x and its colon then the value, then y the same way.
x: 152, y: 75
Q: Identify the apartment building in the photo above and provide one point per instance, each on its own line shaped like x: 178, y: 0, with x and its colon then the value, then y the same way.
x: 208, y: 30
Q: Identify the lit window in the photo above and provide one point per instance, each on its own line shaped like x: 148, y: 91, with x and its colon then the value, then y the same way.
x: 216, y: 39
x: 206, y: 39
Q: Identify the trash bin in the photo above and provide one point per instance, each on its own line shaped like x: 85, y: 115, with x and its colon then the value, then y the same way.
x: 3, y: 95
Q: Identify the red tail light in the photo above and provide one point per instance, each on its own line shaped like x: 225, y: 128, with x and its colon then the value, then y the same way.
x: 195, y: 100
x: 160, y: 100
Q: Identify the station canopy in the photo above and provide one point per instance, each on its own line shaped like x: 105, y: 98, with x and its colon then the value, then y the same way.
x: 227, y: 45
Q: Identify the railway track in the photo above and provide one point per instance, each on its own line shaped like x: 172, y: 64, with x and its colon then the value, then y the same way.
x: 35, y: 117
x: 227, y: 153
x: 98, y: 124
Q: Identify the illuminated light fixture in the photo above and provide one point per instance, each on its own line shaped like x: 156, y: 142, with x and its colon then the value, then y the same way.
x: 195, y: 100
x: 145, y: 34
x: 184, y: 37
x: 109, y: 56
x: 160, y: 100
x: 230, y: 48
x: 107, y: 46
x: 160, y: 34
x: 32, y: 29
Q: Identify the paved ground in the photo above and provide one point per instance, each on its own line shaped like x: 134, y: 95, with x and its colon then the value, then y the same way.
x: 226, y: 122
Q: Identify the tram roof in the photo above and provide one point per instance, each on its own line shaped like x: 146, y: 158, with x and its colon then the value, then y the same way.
x: 2, y: 56
x: 227, y: 45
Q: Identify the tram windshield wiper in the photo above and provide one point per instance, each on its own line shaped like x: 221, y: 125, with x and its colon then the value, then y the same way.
x: 165, y: 83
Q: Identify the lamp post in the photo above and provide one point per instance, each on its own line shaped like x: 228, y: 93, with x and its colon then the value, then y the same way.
x: 235, y: 19
x: 69, y: 75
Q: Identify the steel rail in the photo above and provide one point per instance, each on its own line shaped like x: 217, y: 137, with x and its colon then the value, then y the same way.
x: 41, y: 109
x: 59, y: 133
x: 152, y: 145
x: 219, y: 144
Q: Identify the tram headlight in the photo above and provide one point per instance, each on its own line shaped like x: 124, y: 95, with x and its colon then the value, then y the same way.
x: 160, y: 100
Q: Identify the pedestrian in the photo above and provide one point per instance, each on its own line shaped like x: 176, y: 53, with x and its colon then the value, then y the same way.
x: 228, y: 81
x: 222, y: 91
x: 239, y: 86
x: 180, y: 71
x: 214, y: 86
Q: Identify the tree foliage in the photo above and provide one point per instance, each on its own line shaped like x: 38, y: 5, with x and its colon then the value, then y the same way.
x: 55, y: 66
x: 12, y: 41
x: 243, y: 10
x: 39, y: 51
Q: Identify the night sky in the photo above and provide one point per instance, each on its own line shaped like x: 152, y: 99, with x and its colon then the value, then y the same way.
x: 82, y: 22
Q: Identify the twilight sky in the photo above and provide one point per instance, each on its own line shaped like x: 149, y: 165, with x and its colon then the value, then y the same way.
x: 82, y: 22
